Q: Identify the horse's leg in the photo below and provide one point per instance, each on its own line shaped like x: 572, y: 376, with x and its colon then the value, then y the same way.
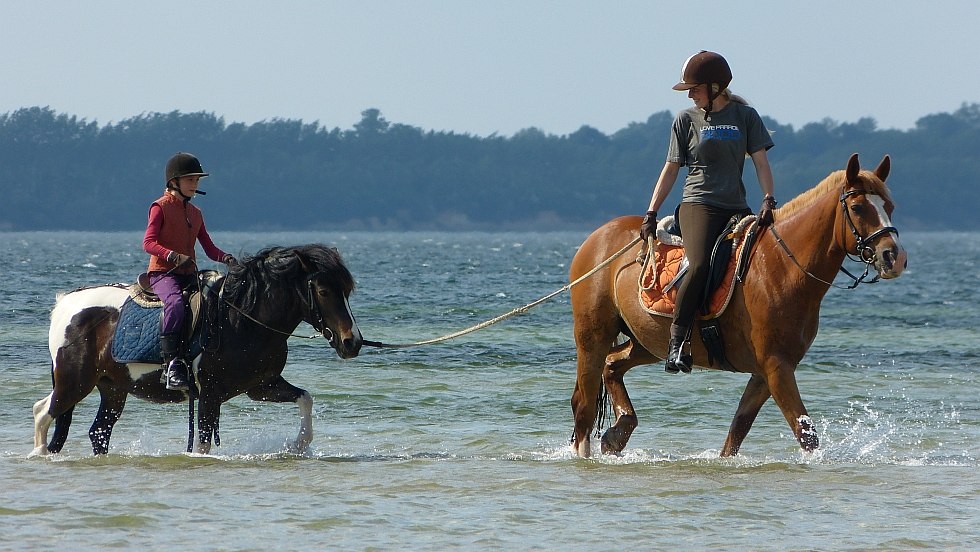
x: 110, y: 408
x: 755, y: 395
x: 782, y: 385
x: 280, y: 390
x: 618, y: 362
x: 42, y: 422
x: 72, y: 380
x: 208, y: 414
x: 592, y: 345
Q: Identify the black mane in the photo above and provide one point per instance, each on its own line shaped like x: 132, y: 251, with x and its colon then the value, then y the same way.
x: 278, y: 267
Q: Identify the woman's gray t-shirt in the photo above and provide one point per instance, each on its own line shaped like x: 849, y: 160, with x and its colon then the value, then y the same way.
x: 714, y: 152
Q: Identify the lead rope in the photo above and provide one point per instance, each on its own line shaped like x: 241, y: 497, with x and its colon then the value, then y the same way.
x: 515, y: 312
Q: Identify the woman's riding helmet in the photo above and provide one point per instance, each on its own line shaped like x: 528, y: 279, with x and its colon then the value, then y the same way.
x: 705, y: 67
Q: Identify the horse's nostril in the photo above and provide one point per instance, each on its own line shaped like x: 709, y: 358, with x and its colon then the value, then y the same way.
x: 889, y: 258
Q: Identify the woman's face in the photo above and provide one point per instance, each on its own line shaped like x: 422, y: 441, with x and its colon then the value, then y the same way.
x: 699, y: 95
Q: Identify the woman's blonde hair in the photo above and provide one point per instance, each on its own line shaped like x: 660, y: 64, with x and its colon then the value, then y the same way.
x: 727, y: 93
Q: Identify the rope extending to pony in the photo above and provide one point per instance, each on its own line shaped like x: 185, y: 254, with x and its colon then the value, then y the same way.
x: 515, y: 312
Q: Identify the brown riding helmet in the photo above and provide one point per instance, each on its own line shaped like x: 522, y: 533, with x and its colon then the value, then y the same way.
x: 705, y: 67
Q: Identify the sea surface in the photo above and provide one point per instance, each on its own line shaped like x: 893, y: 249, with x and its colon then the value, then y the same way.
x: 464, y: 444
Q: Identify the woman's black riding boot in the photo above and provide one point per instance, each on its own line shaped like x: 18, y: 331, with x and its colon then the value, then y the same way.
x: 174, y: 368
x: 677, y: 360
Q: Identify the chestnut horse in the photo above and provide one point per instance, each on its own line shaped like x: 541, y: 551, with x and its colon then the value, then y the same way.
x: 264, y: 299
x: 771, y: 319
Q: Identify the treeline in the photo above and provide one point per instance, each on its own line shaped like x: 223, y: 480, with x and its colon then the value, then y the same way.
x: 64, y: 173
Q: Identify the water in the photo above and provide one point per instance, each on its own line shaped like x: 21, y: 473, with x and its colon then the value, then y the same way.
x: 463, y: 445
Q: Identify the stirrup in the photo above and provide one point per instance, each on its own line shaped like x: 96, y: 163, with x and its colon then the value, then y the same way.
x: 174, y: 376
x: 676, y: 360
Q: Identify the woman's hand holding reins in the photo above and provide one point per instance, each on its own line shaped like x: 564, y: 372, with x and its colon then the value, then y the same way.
x: 765, y: 212
x: 649, y: 225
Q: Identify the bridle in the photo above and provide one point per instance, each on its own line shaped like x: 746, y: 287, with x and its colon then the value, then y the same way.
x: 863, y: 245
x: 314, y: 314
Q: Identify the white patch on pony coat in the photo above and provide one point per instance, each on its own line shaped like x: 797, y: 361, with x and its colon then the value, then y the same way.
x: 42, y: 421
x: 305, y: 437
x: 356, y: 330
x: 71, y: 304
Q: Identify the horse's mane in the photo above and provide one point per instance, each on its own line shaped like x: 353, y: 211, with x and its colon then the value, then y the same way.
x: 275, y: 267
x: 833, y: 183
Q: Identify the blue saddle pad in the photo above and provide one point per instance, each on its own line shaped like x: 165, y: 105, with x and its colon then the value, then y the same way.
x: 137, y: 337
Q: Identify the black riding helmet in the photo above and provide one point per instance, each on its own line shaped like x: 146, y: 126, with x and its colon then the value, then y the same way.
x: 183, y: 164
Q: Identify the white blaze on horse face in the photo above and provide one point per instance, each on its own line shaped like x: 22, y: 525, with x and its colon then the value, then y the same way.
x: 354, y: 329
x: 73, y: 303
x: 902, y: 257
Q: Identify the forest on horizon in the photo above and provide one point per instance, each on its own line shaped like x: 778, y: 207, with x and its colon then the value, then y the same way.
x: 60, y: 172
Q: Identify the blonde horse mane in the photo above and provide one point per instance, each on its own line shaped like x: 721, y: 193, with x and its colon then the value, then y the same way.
x: 833, y: 182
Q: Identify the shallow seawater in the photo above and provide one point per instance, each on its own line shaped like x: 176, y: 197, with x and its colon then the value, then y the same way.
x: 464, y: 444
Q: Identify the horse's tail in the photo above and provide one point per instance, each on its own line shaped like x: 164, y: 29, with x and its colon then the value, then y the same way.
x: 61, y: 425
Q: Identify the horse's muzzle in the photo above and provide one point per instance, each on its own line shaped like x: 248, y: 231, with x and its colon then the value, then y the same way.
x: 891, y: 260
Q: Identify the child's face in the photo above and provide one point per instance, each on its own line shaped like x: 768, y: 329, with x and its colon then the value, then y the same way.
x: 188, y: 185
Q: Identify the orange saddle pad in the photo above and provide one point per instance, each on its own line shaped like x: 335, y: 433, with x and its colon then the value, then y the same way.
x: 658, y: 273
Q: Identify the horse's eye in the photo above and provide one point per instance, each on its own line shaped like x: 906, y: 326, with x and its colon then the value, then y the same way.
x: 857, y: 208
x: 323, y: 292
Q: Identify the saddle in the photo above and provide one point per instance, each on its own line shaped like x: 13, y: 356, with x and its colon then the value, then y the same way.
x: 666, y: 265
x: 664, y: 270
x: 137, y: 335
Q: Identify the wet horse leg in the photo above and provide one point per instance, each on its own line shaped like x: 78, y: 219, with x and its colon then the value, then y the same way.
x: 592, y: 350
x: 42, y: 422
x: 73, y: 378
x: 208, y: 414
x: 782, y: 385
x: 280, y: 390
x: 618, y: 362
x: 755, y: 395
x: 110, y: 409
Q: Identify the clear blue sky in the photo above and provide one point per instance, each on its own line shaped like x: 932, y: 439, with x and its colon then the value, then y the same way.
x: 480, y: 66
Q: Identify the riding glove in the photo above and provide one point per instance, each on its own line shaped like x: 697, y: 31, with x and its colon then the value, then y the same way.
x: 765, y: 212
x: 177, y: 258
x: 649, y: 225
x: 229, y: 260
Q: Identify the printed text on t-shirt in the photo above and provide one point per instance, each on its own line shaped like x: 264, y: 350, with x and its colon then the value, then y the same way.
x: 720, y: 132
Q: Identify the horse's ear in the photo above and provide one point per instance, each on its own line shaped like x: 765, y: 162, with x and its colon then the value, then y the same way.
x: 884, y: 168
x: 853, y: 168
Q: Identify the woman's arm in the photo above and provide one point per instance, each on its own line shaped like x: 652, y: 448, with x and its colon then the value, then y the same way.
x: 668, y: 175
x: 763, y: 171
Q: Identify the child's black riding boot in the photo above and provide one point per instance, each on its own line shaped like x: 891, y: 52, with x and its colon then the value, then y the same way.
x: 174, y: 368
x: 677, y: 360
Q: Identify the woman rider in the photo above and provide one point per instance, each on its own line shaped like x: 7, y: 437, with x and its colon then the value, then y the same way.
x: 712, y: 139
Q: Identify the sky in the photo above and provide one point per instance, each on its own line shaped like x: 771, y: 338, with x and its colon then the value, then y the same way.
x: 483, y: 66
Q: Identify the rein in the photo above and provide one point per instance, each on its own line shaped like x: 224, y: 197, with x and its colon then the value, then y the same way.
x: 518, y: 310
x: 863, y: 245
x: 314, y: 310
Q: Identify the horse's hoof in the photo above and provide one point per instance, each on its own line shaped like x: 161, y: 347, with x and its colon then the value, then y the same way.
x: 39, y: 451
x: 582, y: 449
x: 615, y: 438
x: 809, y: 440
